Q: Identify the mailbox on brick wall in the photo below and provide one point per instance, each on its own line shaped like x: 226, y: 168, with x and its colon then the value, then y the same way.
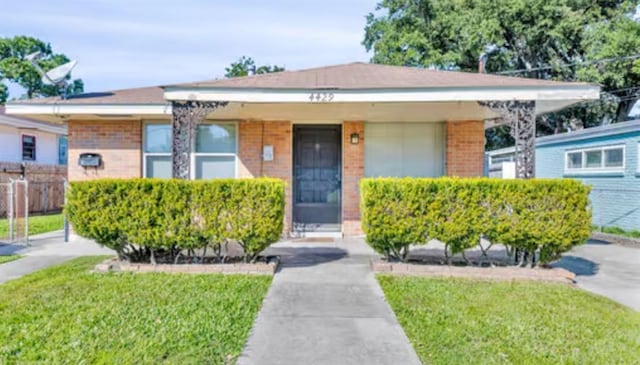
x: 90, y: 160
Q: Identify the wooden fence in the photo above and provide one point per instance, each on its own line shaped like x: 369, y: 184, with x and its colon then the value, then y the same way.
x: 46, y: 185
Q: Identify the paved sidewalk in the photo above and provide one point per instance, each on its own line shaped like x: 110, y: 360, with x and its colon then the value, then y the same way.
x: 606, y: 269
x: 325, y: 307
x: 45, y: 250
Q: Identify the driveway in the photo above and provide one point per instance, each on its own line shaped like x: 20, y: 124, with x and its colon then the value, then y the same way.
x: 606, y: 269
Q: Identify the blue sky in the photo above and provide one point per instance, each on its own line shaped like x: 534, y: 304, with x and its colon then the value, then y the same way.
x: 122, y: 44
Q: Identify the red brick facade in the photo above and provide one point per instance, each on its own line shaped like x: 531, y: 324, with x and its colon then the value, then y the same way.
x: 255, y: 134
x: 118, y: 142
x: 465, y: 148
x: 352, y: 172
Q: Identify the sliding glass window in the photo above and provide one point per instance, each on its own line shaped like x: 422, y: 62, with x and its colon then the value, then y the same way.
x: 215, y: 151
x: 157, y: 150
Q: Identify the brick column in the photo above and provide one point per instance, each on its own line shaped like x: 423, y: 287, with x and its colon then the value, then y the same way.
x: 465, y: 148
x: 352, y: 172
x: 119, y: 142
x: 252, y: 136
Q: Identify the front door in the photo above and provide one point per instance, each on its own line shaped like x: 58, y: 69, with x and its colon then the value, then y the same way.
x: 317, y: 177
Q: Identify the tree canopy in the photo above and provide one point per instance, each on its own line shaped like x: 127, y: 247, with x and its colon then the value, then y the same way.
x: 14, y: 68
x: 569, y: 40
x: 246, y: 66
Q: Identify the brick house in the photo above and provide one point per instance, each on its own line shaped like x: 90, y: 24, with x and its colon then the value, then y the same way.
x: 321, y: 130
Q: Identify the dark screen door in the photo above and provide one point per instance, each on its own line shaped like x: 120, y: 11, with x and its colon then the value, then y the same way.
x: 317, y: 177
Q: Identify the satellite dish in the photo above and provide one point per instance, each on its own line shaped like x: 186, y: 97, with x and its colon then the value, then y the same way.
x: 59, y: 74
x: 56, y: 76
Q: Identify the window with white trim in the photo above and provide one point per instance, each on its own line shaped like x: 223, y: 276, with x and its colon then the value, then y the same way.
x: 157, y: 150
x: 215, y: 151
x: 597, y: 159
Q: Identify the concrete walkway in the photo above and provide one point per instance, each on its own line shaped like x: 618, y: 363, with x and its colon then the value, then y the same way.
x: 45, y: 250
x: 606, y: 269
x: 325, y: 307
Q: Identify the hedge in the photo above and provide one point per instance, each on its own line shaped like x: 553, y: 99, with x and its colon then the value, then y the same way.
x: 143, y: 219
x: 540, y: 218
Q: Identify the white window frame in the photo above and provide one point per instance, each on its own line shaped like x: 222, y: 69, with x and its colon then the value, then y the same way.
x: 195, y: 154
x: 144, y: 143
x: 602, y: 168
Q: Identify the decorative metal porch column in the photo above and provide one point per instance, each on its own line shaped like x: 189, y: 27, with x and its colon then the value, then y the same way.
x: 186, y: 116
x: 521, y: 118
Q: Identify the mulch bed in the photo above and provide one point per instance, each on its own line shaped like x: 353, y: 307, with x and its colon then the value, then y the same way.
x: 474, y: 272
x: 264, y: 266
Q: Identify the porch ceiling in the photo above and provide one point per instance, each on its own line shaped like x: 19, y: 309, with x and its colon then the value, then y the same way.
x: 371, y: 112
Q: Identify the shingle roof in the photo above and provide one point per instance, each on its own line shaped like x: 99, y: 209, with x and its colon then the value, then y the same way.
x: 352, y: 76
x: 360, y: 75
x: 141, y: 95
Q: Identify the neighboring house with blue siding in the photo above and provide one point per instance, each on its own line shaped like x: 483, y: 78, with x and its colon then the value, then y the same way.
x: 606, y: 158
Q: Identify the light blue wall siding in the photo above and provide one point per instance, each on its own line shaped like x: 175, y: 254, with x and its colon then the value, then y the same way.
x: 615, y: 198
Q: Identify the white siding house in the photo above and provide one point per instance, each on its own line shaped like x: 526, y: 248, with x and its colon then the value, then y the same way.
x: 27, y: 140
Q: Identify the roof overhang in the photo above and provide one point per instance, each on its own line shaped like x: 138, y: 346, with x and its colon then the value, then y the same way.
x: 22, y: 123
x: 267, y: 103
x: 576, y: 92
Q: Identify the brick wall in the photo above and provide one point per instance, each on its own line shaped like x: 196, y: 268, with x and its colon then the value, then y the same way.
x: 352, y: 172
x: 465, y: 148
x: 118, y: 142
x: 252, y: 136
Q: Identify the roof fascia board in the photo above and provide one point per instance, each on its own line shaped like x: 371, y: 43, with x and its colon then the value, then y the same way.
x: 569, y: 92
x: 595, y: 132
x: 604, y: 131
x: 29, y: 124
x: 65, y: 109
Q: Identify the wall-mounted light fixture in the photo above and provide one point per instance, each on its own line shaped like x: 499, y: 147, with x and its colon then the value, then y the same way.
x: 355, y: 138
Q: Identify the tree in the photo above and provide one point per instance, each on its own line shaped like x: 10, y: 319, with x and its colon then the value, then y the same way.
x: 548, y: 39
x: 15, y: 69
x: 246, y: 66
x: 615, y: 40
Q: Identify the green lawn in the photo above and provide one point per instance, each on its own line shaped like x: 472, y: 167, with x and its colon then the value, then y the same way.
x: 619, y: 231
x: 456, y: 321
x: 37, y: 224
x: 8, y: 258
x: 68, y: 315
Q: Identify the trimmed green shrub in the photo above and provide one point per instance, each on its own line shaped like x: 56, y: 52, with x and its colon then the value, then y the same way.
x: 142, y: 219
x: 539, y: 217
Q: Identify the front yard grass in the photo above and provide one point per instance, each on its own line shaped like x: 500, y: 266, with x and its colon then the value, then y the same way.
x: 8, y: 258
x: 457, y: 321
x: 37, y: 224
x: 66, y: 314
x: 619, y: 231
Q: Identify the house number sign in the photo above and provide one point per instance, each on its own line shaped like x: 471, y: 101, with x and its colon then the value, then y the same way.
x: 321, y: 97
